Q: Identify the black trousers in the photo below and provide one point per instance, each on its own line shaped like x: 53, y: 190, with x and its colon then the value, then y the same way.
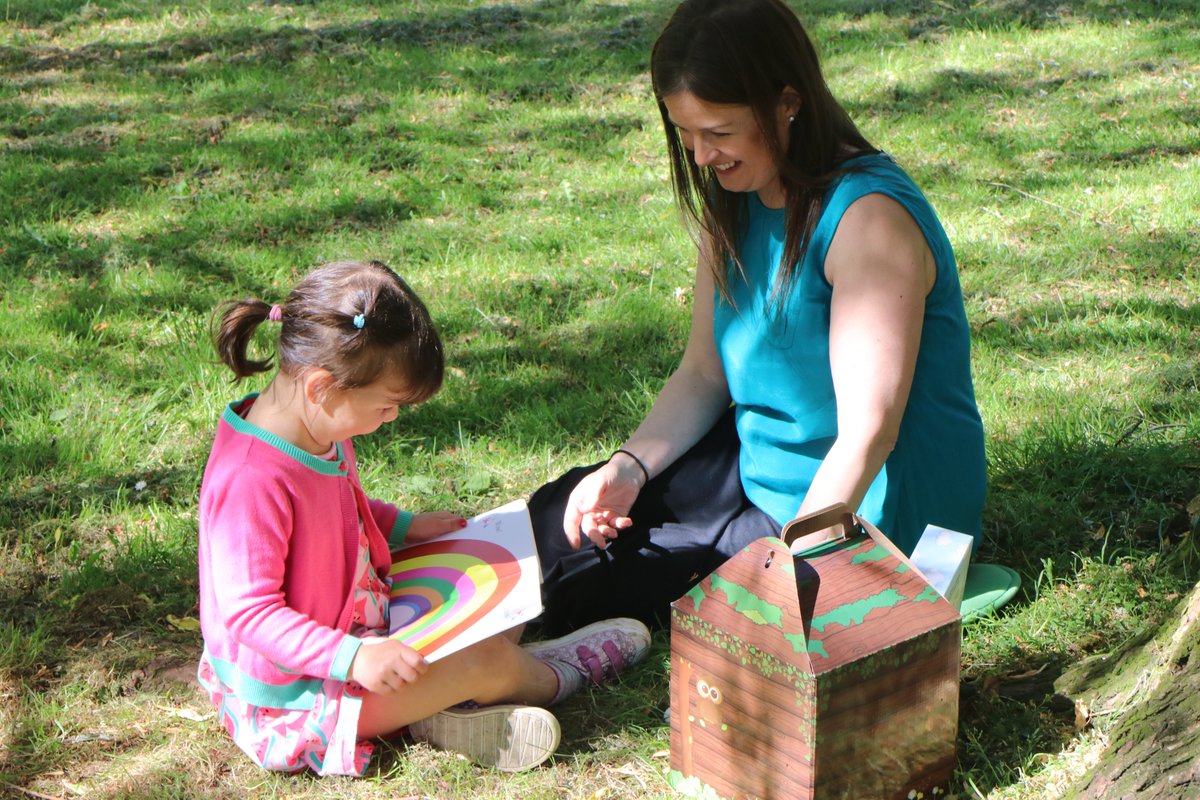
x: 686, y: 522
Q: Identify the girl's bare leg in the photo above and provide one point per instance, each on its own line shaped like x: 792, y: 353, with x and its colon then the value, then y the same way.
x: 495, y: 670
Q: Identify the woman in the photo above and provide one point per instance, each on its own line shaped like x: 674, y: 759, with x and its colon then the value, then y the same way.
x: 829, y: 354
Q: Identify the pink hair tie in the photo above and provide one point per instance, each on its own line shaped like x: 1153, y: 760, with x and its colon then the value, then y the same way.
x: 275, y: 314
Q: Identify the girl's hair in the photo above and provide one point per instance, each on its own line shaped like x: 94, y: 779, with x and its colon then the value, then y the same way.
x: 356, y: 320
x: 746, y: 52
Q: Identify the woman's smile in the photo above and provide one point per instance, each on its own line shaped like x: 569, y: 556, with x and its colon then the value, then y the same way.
x: 728, y: 140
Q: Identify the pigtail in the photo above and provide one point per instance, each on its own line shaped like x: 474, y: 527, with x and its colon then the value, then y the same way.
x: 354, y: 320
x: 233, y: 331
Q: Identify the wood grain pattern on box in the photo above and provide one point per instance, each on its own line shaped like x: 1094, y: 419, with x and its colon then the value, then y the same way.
x: 832, y: 675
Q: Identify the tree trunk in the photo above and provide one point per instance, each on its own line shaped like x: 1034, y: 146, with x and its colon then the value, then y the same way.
x: 1154, y: 688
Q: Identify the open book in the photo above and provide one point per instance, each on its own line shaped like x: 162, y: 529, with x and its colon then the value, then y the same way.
x: 465, y: 586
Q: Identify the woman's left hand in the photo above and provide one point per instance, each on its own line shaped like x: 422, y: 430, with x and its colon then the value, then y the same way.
x: 433, y: 524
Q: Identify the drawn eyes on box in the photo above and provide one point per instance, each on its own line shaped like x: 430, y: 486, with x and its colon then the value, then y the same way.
x: 709, y: 692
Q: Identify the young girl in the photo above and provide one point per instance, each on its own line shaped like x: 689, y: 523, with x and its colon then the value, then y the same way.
x: 293, y: 554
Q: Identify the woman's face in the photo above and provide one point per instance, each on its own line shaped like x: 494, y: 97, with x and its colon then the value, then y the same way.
x: 728, y: 140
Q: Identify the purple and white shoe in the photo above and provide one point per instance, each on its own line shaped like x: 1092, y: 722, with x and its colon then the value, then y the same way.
x: 593, y: 654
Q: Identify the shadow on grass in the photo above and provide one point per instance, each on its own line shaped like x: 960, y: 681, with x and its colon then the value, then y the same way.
x: 76, y: 608
x: 1057, y: 498
x: 83, y: 162
x: 49, y: 498
x: 1056, y: 501
x: 502, y: 30
x: 106, y: 169
x: 1056, y: 327
x: 1004, y: 114
x: 567, y: 376
x: 66, y: 749
x: 79, y: 158
x: 474, y: 25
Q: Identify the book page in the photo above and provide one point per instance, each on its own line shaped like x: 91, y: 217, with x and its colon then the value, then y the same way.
x: 463, y: 587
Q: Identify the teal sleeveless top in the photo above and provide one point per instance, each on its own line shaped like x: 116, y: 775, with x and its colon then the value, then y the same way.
x: 776, y: 360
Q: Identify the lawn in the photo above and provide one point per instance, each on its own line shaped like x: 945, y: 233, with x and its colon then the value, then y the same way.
x: 158, y: 157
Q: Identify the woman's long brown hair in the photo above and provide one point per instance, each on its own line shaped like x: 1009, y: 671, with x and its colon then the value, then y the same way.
x: 746, y: 52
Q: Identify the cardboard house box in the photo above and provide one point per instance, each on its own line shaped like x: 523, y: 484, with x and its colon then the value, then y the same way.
x: 832, y: 674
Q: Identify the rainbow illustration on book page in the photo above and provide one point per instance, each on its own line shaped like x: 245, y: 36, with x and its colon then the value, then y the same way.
x: 468, y: 585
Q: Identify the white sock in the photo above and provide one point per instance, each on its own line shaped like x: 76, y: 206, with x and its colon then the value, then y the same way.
x: 570, y: 680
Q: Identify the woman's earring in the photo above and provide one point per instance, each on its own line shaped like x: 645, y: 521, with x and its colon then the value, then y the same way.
x: 791, y: 119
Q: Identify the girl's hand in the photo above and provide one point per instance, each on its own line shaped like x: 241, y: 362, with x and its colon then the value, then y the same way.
x: 433, y: 524
x: 599, y: 506
x: 384, y: 665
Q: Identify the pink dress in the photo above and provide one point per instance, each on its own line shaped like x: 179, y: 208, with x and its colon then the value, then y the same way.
x: 323, y: 738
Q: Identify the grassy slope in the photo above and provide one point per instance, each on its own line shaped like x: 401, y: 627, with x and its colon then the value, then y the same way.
x: 158, y: 157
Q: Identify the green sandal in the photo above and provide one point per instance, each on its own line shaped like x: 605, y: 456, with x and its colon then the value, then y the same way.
x: 989, y: 586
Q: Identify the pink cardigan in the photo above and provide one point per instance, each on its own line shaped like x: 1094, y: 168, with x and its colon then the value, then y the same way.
x: 278, y: 549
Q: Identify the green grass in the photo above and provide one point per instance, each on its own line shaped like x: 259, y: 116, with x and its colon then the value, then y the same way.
x: 159, y: 157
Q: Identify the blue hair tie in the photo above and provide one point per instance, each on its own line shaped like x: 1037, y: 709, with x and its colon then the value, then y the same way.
x: 360, y: 320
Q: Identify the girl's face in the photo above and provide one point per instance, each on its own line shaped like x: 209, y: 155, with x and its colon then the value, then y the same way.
x: 353, y: 412
x: 728, y: 140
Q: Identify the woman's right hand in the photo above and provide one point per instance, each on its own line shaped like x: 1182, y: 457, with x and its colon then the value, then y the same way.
x: 599, y: 506
x: 384, y: 665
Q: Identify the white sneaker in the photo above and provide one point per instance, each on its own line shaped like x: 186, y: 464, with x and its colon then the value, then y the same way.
x: 510, y: 738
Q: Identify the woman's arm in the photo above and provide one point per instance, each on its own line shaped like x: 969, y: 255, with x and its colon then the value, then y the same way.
x: 881, y: 270
x: 692, y: 400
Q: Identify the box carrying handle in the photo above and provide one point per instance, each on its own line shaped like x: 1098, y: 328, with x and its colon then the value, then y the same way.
x: 820, y: 527
x: 813, y: 530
